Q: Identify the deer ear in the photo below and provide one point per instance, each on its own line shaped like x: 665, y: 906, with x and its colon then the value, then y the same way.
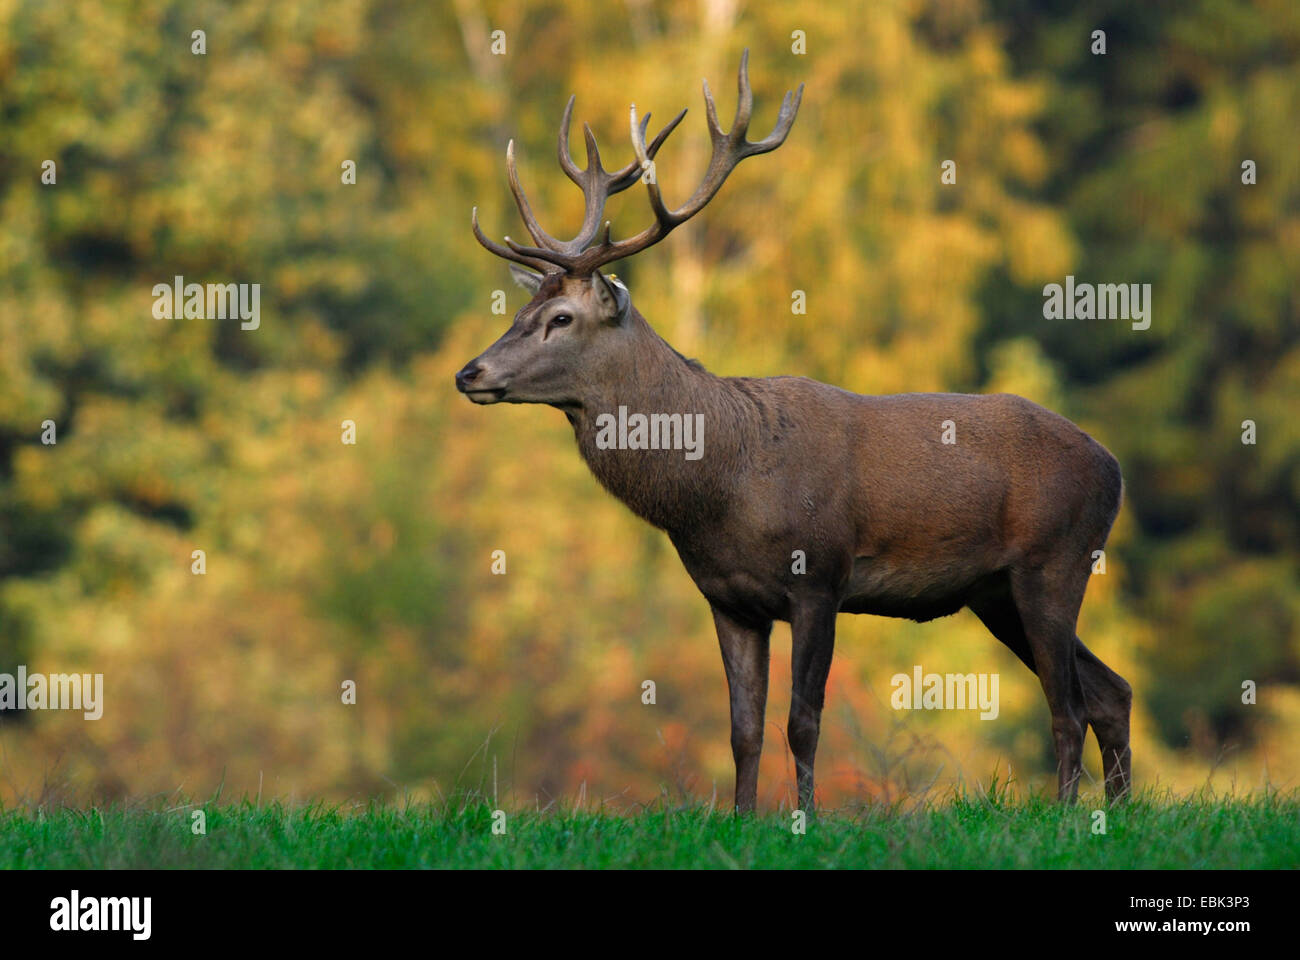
x: 526, y: 278
x: 613, y: 296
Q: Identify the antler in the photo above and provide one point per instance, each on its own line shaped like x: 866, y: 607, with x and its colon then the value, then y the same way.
x: 598, y: 185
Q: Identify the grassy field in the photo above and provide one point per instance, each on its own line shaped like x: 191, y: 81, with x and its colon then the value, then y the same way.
x: 1261, y: 831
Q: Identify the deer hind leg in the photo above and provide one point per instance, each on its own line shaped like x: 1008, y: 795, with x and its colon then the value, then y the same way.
x: 1107, y: 697
x: 997, y: 610
x: 812, y: 628
x: 1110, y: 700
x: 745, y: 651
x: 1047, y: 600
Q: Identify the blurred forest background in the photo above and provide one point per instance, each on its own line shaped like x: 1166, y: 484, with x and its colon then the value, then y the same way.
x: 371, y: 562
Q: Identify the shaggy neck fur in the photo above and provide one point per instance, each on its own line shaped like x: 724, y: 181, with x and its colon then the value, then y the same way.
x: 662, y: 486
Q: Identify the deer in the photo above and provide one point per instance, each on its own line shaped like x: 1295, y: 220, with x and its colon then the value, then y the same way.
x: 889, y: 519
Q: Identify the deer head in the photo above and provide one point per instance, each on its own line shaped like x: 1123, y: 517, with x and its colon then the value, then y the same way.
x: 580, y: 325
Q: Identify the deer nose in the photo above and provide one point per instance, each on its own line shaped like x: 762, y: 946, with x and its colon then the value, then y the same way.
x: 468, y: 374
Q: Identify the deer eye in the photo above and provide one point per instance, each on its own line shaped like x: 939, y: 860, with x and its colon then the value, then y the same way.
x: 561, y: 320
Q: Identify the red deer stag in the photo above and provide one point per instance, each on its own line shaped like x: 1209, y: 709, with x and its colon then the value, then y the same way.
x: 891, y: 520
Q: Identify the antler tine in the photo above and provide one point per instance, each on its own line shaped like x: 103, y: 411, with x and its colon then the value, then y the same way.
x: 493, y: 247
x: 784, y: 121
x: 562, y: 147
x: 540, y: 236
x: 662, y: 216
x: 711, y: 115
x: 593, y: 153
x: 744, y: 100
x: 744, y: 106
x: 632, y: 172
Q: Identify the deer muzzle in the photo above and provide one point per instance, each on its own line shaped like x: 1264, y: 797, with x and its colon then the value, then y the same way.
x: 476, y: 382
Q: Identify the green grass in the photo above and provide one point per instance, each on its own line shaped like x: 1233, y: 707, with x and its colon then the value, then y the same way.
x: 1201, y: 832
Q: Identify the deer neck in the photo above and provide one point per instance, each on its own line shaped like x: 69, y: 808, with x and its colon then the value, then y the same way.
x: 657, y: 397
